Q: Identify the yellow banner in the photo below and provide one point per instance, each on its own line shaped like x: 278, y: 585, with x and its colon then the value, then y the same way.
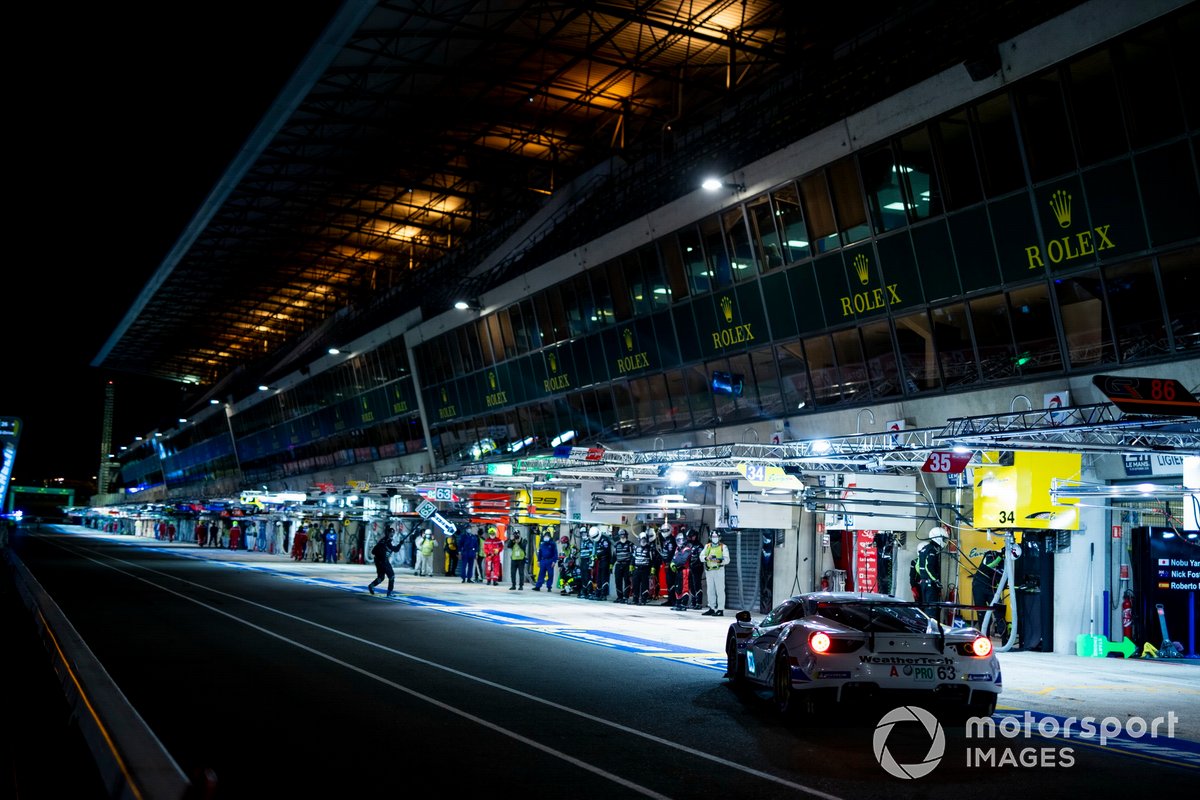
x: 544, y: 503
x: 1018, y: 496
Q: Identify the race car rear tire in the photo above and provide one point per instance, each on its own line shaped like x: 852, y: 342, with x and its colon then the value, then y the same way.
x: 782, y: 694
x: 983, y: 704
x: 733, y: 663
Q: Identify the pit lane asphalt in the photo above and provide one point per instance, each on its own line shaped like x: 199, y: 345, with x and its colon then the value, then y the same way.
x: 1048, y: 685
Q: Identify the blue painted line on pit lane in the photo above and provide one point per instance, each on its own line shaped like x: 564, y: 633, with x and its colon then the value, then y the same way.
x: 616, y: 641
x: 1182, y: 752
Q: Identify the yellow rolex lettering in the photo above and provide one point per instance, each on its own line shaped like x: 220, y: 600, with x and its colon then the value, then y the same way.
x: 878, y: 296
x: 1085, y: 243
x: 1034, y: 254
x: 447, y: 412
x: 368, y: 416
x: 1106, y: 243
x: 399, y: 407
x: 557, y: 383
x: 1054, y: 251
x: 496, y: 398
x: 1066, y: 240
x: 895, y: 297
x: 630, y: 363
x: 717, y: 340
x: 846, y: 309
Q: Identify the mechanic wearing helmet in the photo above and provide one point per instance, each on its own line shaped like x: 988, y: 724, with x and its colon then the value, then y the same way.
x: 622, y: 566
x: 568, y: 559
x: 547, y: 554
x: 715, y: 557
x: 425, y: 547
x: 451, y: 549
x: 644, y: 560
x: 695, y: 568
x: 601, y: 563
x: 666, y: 557
x: 583, y: 567
x: 929, y: 567
x: 679, y: 566
x: 493, y: 549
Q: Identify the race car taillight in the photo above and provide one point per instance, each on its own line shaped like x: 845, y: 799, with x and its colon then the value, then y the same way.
x: 981, y: 647
x: 819, y: 642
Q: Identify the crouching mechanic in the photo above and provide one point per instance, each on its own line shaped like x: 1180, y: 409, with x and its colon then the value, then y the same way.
x: 715, y: 558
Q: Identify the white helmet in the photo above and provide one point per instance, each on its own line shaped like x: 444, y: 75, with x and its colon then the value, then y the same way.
x: 938, y: 535
x: 594, y: 532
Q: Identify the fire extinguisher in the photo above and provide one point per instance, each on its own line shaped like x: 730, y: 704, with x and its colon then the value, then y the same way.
x: 1127, y: 616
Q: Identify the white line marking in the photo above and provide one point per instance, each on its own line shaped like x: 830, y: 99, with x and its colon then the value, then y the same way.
x: 723, y: 762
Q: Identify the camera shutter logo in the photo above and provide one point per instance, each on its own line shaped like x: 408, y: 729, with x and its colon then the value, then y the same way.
x: 937, y: 743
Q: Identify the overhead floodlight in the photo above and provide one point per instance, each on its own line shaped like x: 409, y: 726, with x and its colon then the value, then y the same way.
x: 470, y: 304
x: 711, y: 184
x: 678, y: 477
x: 821, y: 446
x: 262, y: 387
x: 333, y: 351
x: 214, y: 402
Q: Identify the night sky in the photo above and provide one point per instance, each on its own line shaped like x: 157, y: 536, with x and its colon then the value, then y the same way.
x: 127, y: 116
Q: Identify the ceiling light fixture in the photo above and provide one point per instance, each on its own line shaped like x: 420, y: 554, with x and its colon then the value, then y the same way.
x: 713, y: 184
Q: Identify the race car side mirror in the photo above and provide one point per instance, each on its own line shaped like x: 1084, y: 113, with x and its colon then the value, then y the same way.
x: 743, y: 617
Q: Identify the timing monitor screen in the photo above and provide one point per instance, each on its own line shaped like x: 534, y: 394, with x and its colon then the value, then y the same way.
x: 1166, y: 572
x: 1175, y: 560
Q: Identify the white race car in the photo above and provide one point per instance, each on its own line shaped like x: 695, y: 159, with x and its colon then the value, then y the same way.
x: 833, y: 647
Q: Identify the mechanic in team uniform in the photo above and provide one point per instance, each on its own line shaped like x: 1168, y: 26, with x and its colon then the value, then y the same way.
x: 568, y: 564
x: 493, y: 551
x: 666, y: 557
x: 695, y: 568
x: 601, y: 563
x: 547, y: 555
x: 451, y: 558
x: 622, y: 566
x: 929, y: 567
x: 644, y: 560
x: 468, y: 548
x: 679, y: 565
x: 583, y: 566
